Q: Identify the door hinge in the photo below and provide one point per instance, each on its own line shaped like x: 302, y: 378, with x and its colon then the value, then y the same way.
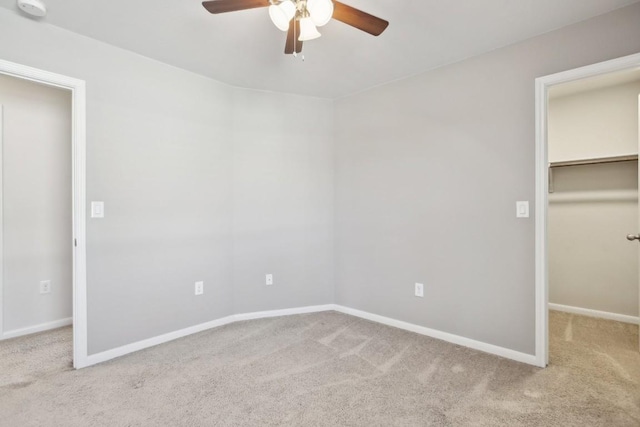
x: 75, y: 242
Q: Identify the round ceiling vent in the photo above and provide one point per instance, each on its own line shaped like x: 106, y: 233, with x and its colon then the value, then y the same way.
x: 33, y: 7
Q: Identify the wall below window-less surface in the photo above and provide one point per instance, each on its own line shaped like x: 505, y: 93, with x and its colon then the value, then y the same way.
x: 428, y: 172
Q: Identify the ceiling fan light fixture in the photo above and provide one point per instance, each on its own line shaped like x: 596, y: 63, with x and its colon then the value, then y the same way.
x: 282, y: 13
x: 305, y: 14
x: 308, y: 30
x: 321, y: 11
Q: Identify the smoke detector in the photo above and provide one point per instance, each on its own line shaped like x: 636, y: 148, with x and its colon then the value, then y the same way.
x: 33, y: 7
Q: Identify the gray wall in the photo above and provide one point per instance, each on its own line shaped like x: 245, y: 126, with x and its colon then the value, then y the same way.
x: 282, y: 200
x: 161, y: 151
x: 428, y: 171
x: 36, y: 227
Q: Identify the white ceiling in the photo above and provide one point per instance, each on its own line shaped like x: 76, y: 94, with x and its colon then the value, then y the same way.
x: 245, y: 49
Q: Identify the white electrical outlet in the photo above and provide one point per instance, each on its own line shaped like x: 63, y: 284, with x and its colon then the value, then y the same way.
x: 269, y: 279
x: 199, y: 288
x: 419, y: 290
x: 45, y: 286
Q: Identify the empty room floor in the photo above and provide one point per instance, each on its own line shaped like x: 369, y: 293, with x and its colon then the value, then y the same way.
x: 326, y: 369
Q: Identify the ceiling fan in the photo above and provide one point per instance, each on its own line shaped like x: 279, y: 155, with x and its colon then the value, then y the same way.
x: 306, y: 16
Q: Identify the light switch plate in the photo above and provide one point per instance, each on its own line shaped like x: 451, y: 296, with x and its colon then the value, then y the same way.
x: 269, y: 279
x: 522, y: 209
x: 97, y: 209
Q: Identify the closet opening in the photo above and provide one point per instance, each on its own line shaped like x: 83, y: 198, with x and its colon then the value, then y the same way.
x: 588, y: 216
x: 42, y: 216
x: 36, y: 222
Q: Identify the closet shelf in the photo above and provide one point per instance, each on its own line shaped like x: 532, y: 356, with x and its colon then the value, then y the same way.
x: 595, y: 161
x: 592, y: 161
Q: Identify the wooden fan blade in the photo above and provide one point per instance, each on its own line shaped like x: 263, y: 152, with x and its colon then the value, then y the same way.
x: 359, y: 19
x: 222, y: 6
x: 292, y: 38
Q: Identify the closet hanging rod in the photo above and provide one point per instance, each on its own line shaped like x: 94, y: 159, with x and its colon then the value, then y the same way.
x: 595, y: 161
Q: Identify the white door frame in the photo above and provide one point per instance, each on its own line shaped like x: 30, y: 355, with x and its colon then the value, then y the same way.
x: 542, y: 186
x: 78, y: 144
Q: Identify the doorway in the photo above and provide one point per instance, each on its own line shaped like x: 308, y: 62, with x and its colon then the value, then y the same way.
x: 77, y: 240
x: 588, y: 163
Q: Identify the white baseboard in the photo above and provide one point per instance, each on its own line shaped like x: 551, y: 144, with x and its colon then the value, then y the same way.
x: 284, y: 312
x: 36, y: 328
x: 161, y: 339
x: 595, y: 313
x: 93, y: 359
x: 444, y: 336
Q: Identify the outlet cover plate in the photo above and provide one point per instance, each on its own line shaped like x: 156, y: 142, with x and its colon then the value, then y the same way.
x: 199, y: 289
x: 45, y: 286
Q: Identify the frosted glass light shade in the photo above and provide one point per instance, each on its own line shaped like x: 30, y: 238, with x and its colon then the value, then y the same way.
x: 282, y: 14
x: 320, y: 11
x: 308, y: 30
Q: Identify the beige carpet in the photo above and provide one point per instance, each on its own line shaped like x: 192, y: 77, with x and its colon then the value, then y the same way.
x: 326, y: 369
